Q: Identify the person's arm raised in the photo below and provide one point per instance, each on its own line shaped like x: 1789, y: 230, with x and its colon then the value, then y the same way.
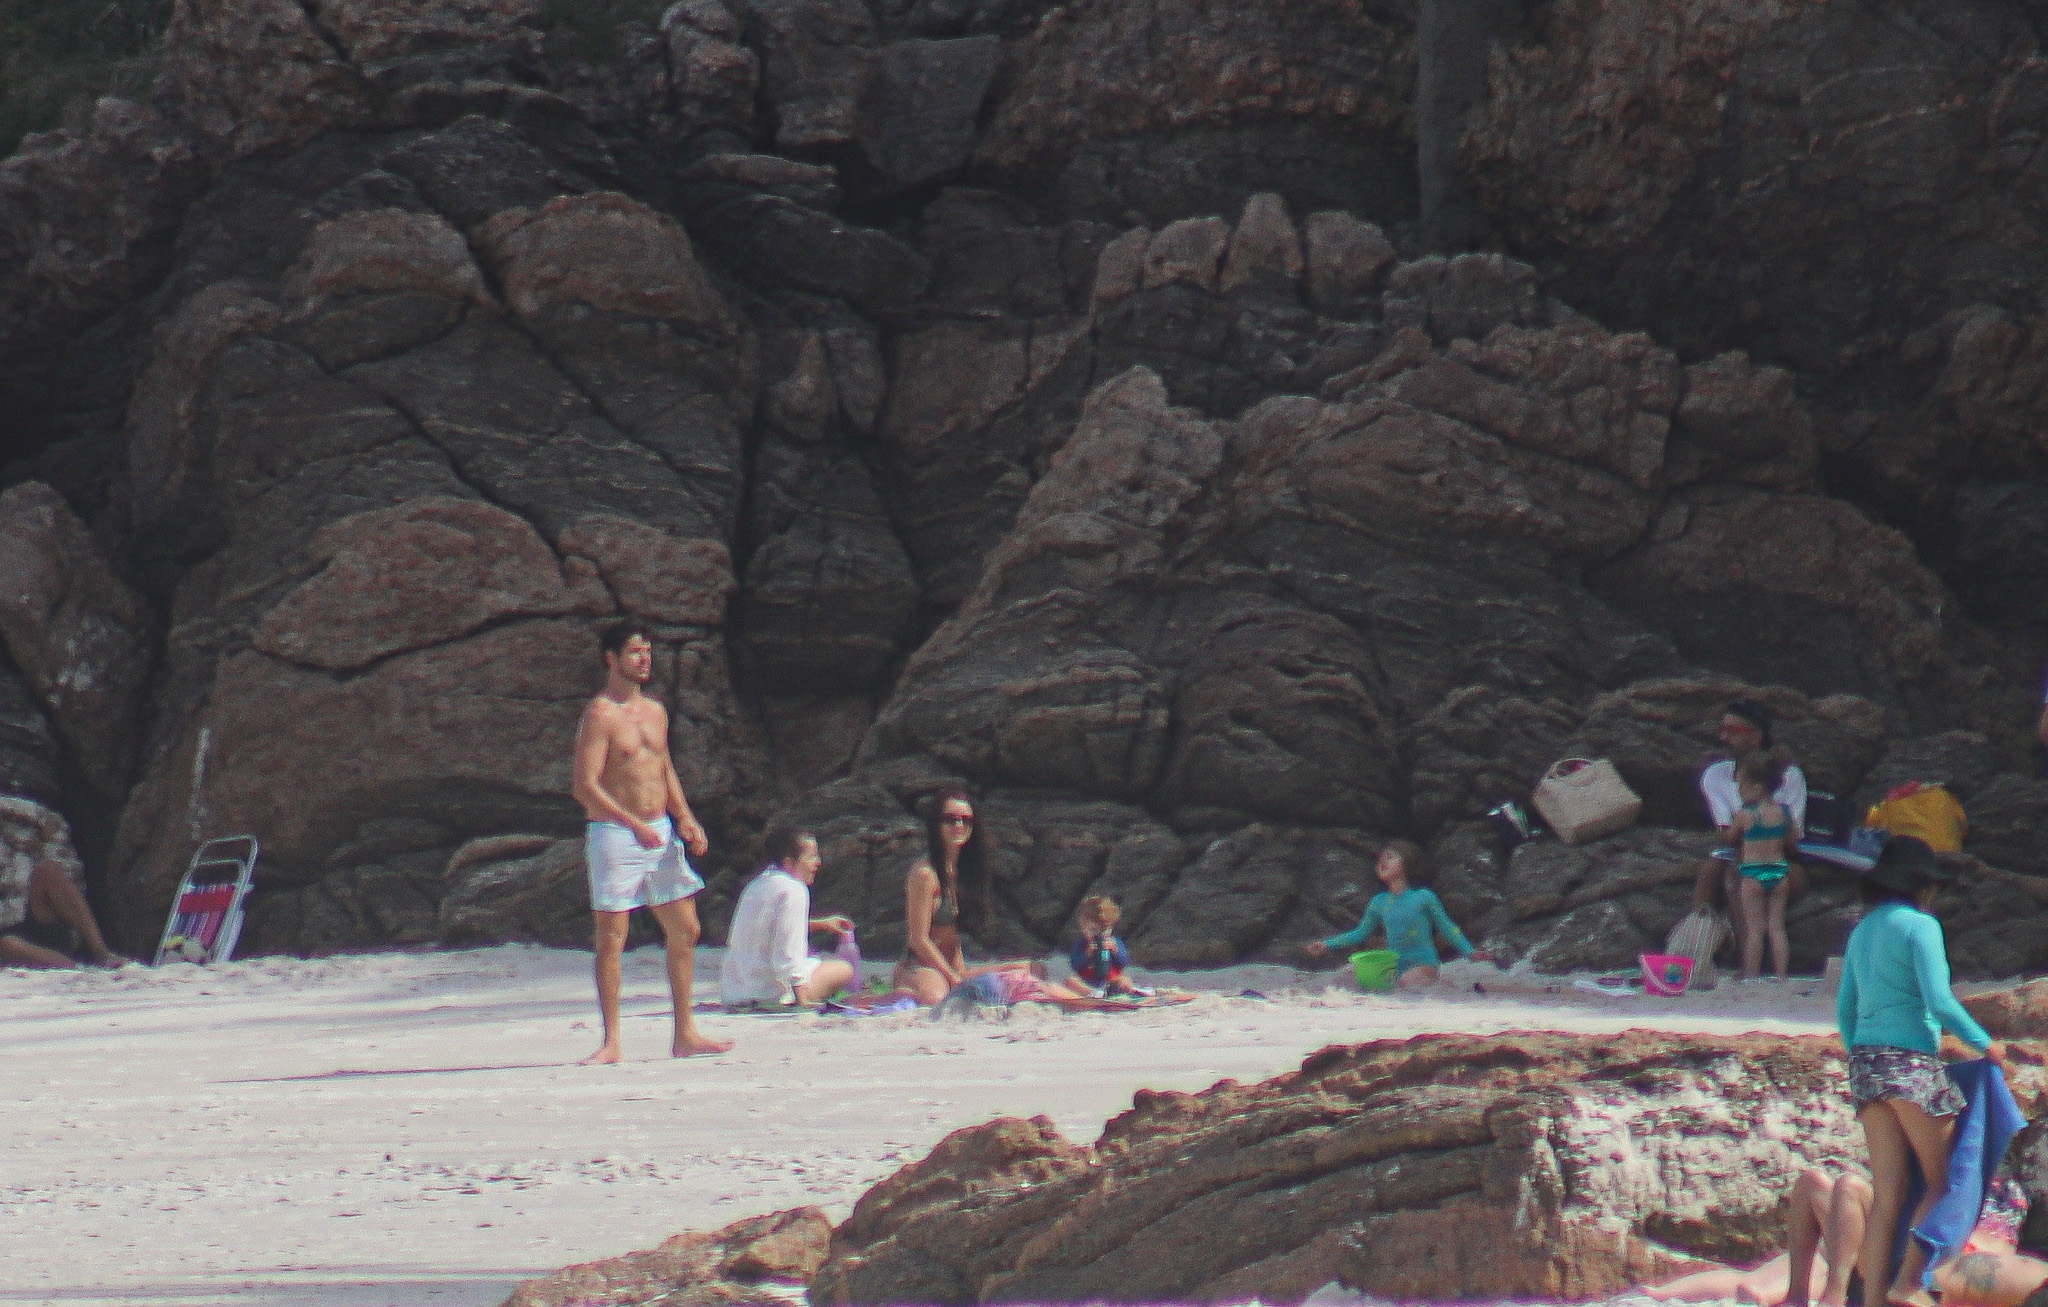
x: 593, y: 742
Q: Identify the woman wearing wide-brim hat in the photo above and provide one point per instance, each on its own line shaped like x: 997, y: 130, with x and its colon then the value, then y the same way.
x: 1894, y: 1003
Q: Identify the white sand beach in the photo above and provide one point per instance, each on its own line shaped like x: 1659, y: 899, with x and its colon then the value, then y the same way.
x: 412, y: 1128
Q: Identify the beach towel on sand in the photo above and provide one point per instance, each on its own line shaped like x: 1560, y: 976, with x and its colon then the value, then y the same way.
x: 1984, y: 1130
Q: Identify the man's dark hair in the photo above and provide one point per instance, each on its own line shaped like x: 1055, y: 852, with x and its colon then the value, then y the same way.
x: 785, y: 842
x: 1756, y: 715
x: 612, y: 639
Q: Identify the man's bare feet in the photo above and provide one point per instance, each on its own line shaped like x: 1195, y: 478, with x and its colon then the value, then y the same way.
x: 696, y: 1045
x: 110, y: 961
x: 605, y: 1056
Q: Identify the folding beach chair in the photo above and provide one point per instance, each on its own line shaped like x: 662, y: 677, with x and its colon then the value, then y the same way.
x: 206, y: 917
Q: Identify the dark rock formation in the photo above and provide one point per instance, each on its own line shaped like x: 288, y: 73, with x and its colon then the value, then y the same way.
x: 1073, y: 400
x: 80, y: 637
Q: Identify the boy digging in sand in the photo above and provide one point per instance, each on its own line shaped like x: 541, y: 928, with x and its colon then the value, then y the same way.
x: 628, y: 788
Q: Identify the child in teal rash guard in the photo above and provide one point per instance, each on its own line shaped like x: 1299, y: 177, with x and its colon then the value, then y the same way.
x: 1411, y: 916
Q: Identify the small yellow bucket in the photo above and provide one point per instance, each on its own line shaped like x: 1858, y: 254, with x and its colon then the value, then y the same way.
x: 1375, y: 968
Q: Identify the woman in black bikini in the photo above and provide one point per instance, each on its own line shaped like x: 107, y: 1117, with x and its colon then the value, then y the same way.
x: 945, y: 893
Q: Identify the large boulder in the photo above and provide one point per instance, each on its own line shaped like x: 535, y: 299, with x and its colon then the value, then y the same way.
x: 415, y: 488
x: 1541, y: 1166
x: 30, y: 833
x: 1598, y: 906
x: 1167, y: 109
x: 80, y: 636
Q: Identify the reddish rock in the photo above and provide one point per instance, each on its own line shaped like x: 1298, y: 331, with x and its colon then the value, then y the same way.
x: 1345, y: 261
x: 714, y: 76
x: 608, y: 252
x: 1798, y: 550
x: 386, y: 250
x: 80, y: 636
x: 1554, y: 1167
x: 475, y: 732
x: 1748, y: 423
x: 750, y: 1263
x: 407, y: 578
x: 77, y: 212
x: 2012, y: 1011
x: 252, y: 75
x: 1102, y: 71
x: 653, y: 575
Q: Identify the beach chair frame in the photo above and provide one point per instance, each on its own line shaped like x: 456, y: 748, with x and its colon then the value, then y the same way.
x: 190, y: 920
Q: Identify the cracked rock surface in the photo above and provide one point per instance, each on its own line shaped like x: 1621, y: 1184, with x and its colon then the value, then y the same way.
x: 1061, y: 399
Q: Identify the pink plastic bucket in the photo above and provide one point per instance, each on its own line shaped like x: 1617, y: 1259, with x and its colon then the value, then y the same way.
x: 1666, y: 974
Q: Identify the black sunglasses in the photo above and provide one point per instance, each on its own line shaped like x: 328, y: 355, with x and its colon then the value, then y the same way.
x: 954, y: 819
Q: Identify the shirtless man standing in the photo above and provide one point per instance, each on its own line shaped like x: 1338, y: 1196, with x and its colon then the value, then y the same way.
x: 628, y: 788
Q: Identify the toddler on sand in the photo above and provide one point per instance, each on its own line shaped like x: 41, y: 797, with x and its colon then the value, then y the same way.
x: 1099, y: 957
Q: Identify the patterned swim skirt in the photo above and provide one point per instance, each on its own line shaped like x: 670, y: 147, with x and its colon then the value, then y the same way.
x: 1880, y: 1071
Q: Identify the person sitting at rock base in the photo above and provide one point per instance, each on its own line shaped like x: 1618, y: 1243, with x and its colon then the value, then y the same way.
x: 946, y: 897
x: 1825, y: 1235
x: 1745, y: 730
x: 1411, y: 916
x: 768, y: 961
x: 1762, y: 831
x: 56, y: 922
x: 1099, y: 957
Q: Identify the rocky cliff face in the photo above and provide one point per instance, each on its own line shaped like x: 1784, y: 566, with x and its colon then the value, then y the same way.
x: 1059, y: 398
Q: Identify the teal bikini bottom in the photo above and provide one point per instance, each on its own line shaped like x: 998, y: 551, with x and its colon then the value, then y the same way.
x: 1765, y: 874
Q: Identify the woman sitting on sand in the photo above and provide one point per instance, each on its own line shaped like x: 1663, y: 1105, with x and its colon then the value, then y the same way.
x: 1411, y: 915
x: 947, y: 892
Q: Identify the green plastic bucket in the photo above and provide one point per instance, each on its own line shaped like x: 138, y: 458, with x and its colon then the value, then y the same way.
x: 1375, y: 968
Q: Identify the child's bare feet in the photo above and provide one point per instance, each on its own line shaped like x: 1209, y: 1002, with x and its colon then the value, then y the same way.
x: 605, y: 1056
x: 698, y: 1045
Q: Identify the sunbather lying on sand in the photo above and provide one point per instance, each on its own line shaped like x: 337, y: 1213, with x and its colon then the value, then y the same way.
x: 1825, y: 1232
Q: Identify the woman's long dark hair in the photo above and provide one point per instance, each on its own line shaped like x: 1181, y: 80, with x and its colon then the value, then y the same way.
x: 975, y: 856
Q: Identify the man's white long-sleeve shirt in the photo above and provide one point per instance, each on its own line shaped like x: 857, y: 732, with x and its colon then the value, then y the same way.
x: 767, y: 951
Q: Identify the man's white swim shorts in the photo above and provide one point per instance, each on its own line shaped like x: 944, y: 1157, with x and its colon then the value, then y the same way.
x: 624, y: 876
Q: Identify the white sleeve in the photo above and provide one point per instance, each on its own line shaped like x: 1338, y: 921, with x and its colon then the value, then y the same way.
x: 789, y: 932
x: 1717, y: 784
x: 1792, y: 794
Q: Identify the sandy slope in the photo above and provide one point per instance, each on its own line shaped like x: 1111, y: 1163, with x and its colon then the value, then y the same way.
x: 411, y: 1129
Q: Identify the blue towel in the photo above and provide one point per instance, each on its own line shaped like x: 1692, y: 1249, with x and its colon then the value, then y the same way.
x: 1984, y: 1130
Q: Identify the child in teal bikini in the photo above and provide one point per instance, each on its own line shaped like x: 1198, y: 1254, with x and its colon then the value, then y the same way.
x: 1764, y: 830
x: 1411, y: 915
